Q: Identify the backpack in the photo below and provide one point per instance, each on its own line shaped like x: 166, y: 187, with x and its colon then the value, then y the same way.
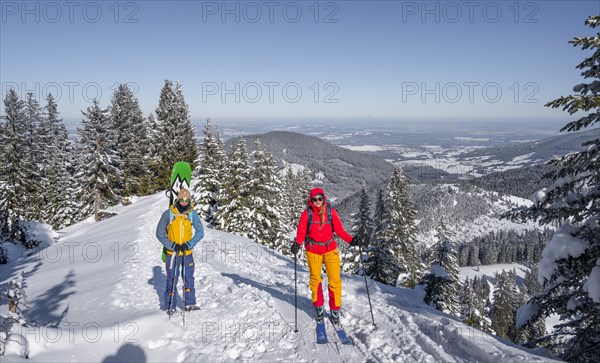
x: 181, y: 231
x: 180, y: 228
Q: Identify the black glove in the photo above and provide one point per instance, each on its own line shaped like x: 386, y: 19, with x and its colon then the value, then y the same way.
x: 181, y: 248
x: 295, y: 248
x: 358, y: 243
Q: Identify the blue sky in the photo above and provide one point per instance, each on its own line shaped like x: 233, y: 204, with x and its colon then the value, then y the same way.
x: 301, y: 60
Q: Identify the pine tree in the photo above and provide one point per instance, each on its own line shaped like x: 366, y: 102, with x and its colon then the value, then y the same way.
x: 186, y: 132
x: 233, y: 211
x: 153, y: 179
x: 536, y: 329
x: 5, y: 189
x: 402, y: 230
x: 209, y: 174
x: 49, y: 167
x: 298, y: 186
x: 504, y: 308
x: 33, y: 160
x: 99, y: 159
x: 60, y: 187
x: 470, y: 313
x: 570, y: 281
x: 363, y: 233
x: 13, y: 176
x: 148, y: 182
x: 131, y: 142
x: 382, y: 265
x: 531, y: 285
x: 483, y: 289
x: 66, y: 209
x: 443, y: 283
x: 266, y: 215
x: 177, y: 134
x: 475, y: 304
x: 289, y: 185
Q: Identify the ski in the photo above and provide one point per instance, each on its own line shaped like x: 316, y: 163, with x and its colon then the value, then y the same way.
x: 341, y: 333
x: 321, y: 333
x: 181, y: 177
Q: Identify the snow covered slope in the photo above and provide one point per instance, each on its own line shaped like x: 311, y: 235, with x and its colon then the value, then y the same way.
x: 96, y: 295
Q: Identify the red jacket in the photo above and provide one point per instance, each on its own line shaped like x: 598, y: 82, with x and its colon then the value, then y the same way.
x: 320, y: 233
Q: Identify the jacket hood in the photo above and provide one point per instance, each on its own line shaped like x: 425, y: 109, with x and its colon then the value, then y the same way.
x: 313, y: 192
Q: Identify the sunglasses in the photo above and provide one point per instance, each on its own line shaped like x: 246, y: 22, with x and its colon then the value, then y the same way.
x: 317, y: 199
x: 182, y: 200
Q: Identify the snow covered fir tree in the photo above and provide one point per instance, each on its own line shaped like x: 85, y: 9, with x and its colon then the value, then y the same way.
x: 233, y: 209
x: 363, y: 234
x: 401, y: 230
x: 132, y: 142
x: 381, y: 264
x: 175, y: 131
x: 209, y: 173
x: 442, y: 282
x: 267, y: 216
x: 100, y: 164
x: 507, y: 299
x: 570, y: 268
x: 475, y: 304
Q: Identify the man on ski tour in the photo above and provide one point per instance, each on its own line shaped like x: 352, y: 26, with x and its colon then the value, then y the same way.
x: 175, y: 232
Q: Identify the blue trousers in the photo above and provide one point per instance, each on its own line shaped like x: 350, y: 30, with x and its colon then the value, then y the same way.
x: 185, y: 264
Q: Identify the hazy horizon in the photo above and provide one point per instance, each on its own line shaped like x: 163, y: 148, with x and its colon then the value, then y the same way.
x: 310, y: 61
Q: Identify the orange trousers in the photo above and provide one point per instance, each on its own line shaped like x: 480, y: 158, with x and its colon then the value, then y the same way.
x: 331, y: 260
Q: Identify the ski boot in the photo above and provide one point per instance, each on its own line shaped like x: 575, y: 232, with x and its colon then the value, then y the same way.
x: 189, y: 308
x: 320, y: 314
x: 335, y: 317
x: 171, y: 312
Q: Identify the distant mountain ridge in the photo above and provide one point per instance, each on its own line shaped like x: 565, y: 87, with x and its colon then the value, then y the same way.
x: 520, y: 154
x: 341, y: 172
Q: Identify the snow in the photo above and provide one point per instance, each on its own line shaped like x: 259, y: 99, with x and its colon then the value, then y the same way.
x: 370, y: 148
x: 539, y: 196
x: 526, y: 312
x: 295, y: 168
x: 482, y: 225
x: 489, y: 273
x: 561, y: 245
x: 484, y: 139
x: 592, y: 285
x: 40, y: 231
x: 438, y: 271
x: 95, y: 295
x: 319, y: 178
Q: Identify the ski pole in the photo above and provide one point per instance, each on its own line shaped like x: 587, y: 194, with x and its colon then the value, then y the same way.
x: 183, y: 278
x: 174, y: 254
x: 172, y: 295
x: 295, y: 292
x: 366, y: 284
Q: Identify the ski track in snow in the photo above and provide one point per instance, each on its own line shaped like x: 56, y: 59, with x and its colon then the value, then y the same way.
x: 246, y: 295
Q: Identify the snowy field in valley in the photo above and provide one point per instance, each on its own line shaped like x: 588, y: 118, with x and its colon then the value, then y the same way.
x: 95, y: 296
